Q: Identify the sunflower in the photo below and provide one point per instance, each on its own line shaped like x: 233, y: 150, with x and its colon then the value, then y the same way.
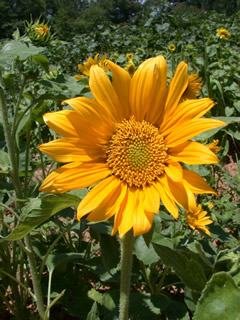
x: 172, y: 47
x: 214, y: 146
x: 193, y: 88
x: 129, y: 56
x: 223, y: 33
x: 131, y: 138
x: 85, y: 67
x: 42, y: 30
x: 197, y: 218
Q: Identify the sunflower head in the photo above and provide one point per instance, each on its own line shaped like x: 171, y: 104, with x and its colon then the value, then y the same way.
x: 198, y: 219
x: 193, y: 88
x: 38, y: 33
x: 129, y: 143
x: 223, y: 33
x: 214, y: 146
x: 85, y: 67
x: 171, y: 47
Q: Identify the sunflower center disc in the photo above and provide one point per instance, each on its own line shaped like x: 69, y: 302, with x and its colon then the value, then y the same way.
x: 136, y: 153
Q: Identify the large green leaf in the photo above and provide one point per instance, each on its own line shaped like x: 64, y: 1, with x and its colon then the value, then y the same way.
x: 38, y: 210
x: 219, y: 300
x: 143, y: 252
x: 189, y: 270
x: 93, y: 313
x: 14, y: 49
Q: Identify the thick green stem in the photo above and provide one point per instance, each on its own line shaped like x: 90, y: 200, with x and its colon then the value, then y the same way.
x: 126, y: 268
x: 18, y: 189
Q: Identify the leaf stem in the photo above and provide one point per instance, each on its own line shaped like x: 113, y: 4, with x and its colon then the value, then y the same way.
x: 126, y: 267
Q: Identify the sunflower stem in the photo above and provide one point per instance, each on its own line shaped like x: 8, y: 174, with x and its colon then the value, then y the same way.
x: 126, y: 267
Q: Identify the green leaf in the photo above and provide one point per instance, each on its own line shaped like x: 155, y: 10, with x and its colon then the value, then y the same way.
x: 93, y: 313
x: 219, y: 300
x: 54, y: 260
x: 38, y: 210
x: 104, y: 300
x: 14, y: 49
x: 143, y: 252
x: 4, y: 161
x: 189, y: 270
x: 42, y: 61
x: 110, y: 251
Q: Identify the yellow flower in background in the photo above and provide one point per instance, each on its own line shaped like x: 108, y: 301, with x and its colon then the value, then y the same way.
x: 85, y: 67
x: 214, y: 146
x: 129, y: 56
x: 210, y: 205
x: 197, y: 218
x: 223, y: 33
x: 172, y: 47
x: 131, y: 140
x: 42, y: 30
x: 193, y: 88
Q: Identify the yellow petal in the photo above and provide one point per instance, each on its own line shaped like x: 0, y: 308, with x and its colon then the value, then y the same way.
x: 121, y: 84
x: 152, y: 199
x: 166, y: 196
x: 147, y: 87
x: 174, y: 170
x: 192, y: 153
x: 125, y: 214
x: 108, y: 207
x: 191, y: 129
x: 176, y: 88
x: 196, y: 183
x: 102, y: 190
x: 186, y: 111
x: 179, y: 192
x: 82, y: 176
x: 72, y: 149
x: 142, y: 221
x: 47, y: 184
x: 103, y: 91
x: 64, y: 122
x: 92, y: 112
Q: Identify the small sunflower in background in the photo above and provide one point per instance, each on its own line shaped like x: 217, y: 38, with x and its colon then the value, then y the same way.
x: 196, y: 217
x: 38, y: 33
x: 172, y: 47
x: 130, y: 67
x: 85, y: 67
x: 223, y: 33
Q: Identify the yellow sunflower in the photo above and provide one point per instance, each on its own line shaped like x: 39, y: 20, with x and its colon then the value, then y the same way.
x: 172, y: 47
x: 214, y: 146
x: 42, y: 30
x: 131, y: 139
x: 193, y: 88
x: 223, y: 33
x: 85, y: 67
x: 197, y: 218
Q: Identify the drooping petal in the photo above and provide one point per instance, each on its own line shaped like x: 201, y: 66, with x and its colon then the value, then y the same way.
x: 190, y: 130
x: 109, y: 206
x: 152, y: 199
x: 142, y: 220
x: 121, y: 84
x: 166, y: 196
x: 196, y: 183
x: 192, y: 153
x: 104, y: 92
x: 186, y: 111
x: 124, y: 218
x: 147, y: 88
x: 75, y: 176
x: 179, y: 192
x: 72, y: 149
x: 94, y: 198
x: 174, y: 170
